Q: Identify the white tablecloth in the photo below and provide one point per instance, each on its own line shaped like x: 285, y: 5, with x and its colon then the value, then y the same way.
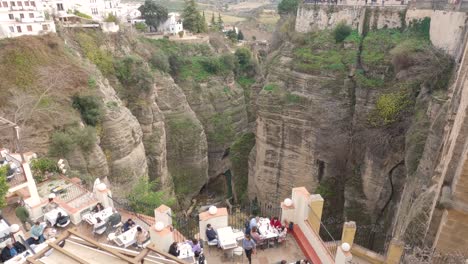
x: 51, y: 216
x: 227, y: 239
x: 266, y: 230
x: 186, y: 253
x: 103, y: 215
x: 4, y: 229
x: 128, y: 238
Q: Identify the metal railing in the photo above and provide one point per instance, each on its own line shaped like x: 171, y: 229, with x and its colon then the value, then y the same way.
x: 240, y: 214
x: 327, y: 239
x: 122, y: 204
x: 18, y: 177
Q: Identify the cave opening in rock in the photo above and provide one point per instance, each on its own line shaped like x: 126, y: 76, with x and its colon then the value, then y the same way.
x: 226, y: 153
x: 320, y: 169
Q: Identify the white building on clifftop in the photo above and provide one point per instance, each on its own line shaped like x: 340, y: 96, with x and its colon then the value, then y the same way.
x: 18, y: 18
x: 97, y: 9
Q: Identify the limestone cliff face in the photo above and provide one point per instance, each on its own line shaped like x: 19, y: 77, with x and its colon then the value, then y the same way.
x: 220, y: 106
x: 121, y: 140
x: 186, y: 143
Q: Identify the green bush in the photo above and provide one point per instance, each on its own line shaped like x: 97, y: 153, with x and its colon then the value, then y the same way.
x: 61, y: 144
x: 90, y: 108
x: 160, y: 61
x: 365, y: 82
x: 142, y: 27
x: 341, y: 32
x: 132, y: 71
x: 43, y: 165
x: 271, y: 87
x: 245, y: 60
x: 222, y: 131
x: 389, y: 107
x: 92, y: 82
x: 144, y: 197
x: 288, y: 6
x: 3, y: 186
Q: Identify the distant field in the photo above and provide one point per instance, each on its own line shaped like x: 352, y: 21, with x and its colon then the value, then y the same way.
x: 268, y: 19
x: 226, y: 18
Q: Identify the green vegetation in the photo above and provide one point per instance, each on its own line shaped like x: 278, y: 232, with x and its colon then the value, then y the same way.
x: 318, y: 52
x: 193, y: 20
x: 153, y: 13
x: 19, y: 66
x: 160, y: 61
x: 377, y: 45
x: 271, y: 87
x: 367, y: 82
x: 142, y: 27
x: 90, y: 46
x: 3, y: 185
x: 247, y: 65
x: 144, y: 197
x: 288, y: 7
x: 341, y: 32
x: 293, y: 99
x: 111, y: 18
x: 92, y: 82
x: 239, y: 156
x: 389, y: 108
x: 133, y: 72
x: 90, y: 108
x: 41, y: 166
x: 63, y: 142
x: 222, y: 131
x: 82, y: 15
x: 199, y: 68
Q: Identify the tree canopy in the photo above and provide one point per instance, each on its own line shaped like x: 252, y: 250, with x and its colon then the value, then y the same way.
x: 153, y: 13
x: 193, y: 20
x: 3, y: 185
x: 288, y: 6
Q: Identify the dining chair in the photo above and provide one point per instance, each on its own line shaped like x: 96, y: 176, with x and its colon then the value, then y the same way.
x: 238, y: 251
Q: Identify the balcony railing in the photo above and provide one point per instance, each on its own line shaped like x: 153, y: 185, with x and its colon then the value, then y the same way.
x: 18, y: 176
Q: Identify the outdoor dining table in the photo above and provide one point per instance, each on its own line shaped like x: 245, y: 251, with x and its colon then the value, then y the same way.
x: 186, y: 253
x: 127, y: 238
x: 51, y: 216
x: 227, y: 239
x: 21, y: 258
x: 266, y: 230
x: 103, y: 215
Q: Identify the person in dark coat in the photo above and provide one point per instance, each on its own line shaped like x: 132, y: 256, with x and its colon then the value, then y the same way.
x: 12, y: 250
x: 173, y: 250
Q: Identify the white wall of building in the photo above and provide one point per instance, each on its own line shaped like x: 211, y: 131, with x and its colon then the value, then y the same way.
x: 173, y: 24
x: 97, y: 9
x: 25, y: 17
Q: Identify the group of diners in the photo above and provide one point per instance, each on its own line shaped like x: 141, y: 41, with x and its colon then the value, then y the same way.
x: 190, y: 251
x: 264, y: 231
x: 123, y: 234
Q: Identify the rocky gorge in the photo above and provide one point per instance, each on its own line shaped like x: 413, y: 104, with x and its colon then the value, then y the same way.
x: 354, y: 119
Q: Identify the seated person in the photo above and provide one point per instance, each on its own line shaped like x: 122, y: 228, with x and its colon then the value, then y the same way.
x: 37, y: 236
x: 255, y: 235
x: 282, y: 234
x: 127, y: 225
x: 99, y: 207
x: 174, y: 250
x: 196, y: 248
x: 12, y: 250
x: 275, y: 223
x: 254, y: 222
x: 61, y: 219
x: 141, y: 236
x: 115, y: 218
x: 211, y: 234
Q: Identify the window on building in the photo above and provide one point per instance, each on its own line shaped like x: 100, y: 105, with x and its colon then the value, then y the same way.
x: 45, y: 27
x: 33, y: 3
x: 31, y: 15
x: 26, y: 3
x: 12, y: 3
x: 18, y: 28
x: 21, y: 15
x: 20, y: 3
x: 12, y: 29
x: 11, y: 16
x: 60, y: 7
x: 29, y: 28
x: 5, y: 4
x: 94, y: 11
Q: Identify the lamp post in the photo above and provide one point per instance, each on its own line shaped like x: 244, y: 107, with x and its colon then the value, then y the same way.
x: 18, y: 144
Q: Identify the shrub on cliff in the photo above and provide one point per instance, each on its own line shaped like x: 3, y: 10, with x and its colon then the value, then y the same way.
x: 288, y: 7
x: 160, y: 61
x: 64, y: 142
x: 90, y: 108
x: 341, y: 32
x: 133, y: 72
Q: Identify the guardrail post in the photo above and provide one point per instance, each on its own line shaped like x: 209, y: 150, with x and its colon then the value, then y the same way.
x: 394, y: 252
x: 349, y: 231
x: 315, y: 211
